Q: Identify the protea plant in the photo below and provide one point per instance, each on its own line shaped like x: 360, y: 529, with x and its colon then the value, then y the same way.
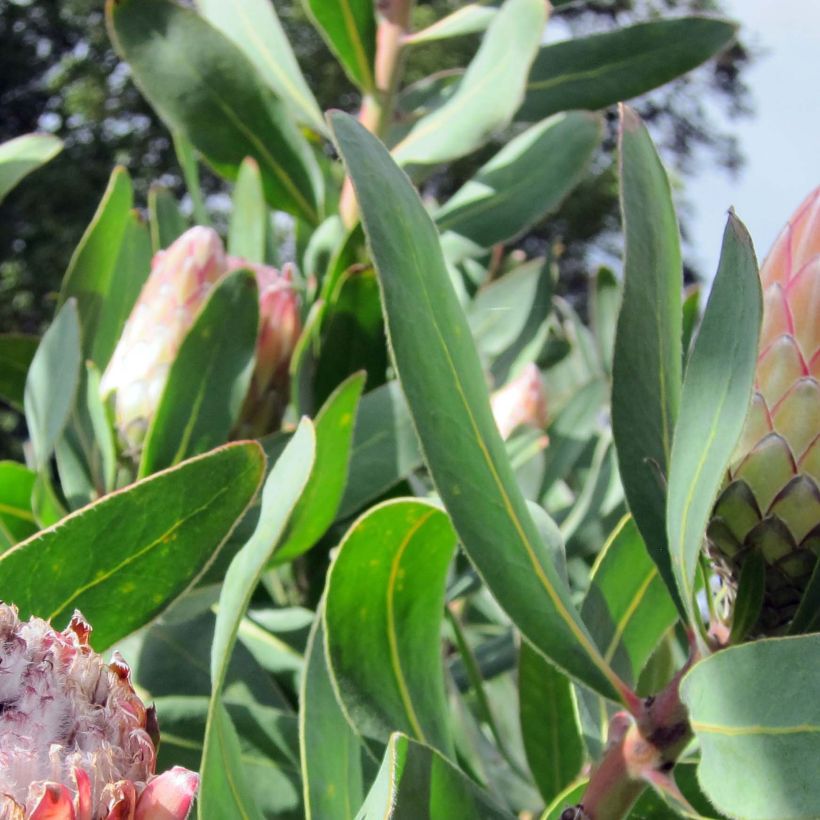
x: 522, y: 400
x: 181, y: 278
x: 769, y: 507
x: 76, y: 743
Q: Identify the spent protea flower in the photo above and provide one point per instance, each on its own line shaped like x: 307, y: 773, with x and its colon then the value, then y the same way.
x: 76, y: 743
x: 770, y: 504
x: 180, y: 280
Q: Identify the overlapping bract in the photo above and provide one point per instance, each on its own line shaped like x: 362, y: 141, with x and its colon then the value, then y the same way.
x: 76, y: 743
x: 770, y: 504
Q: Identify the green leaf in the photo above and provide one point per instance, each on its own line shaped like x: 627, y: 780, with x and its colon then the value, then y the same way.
x: 596, y: 71
x: 131, y: 269
x: 249, y: 216
x: 627, y: 606
x: 320, y: 500
x: 52, y: 381
x: 469, y: 19
x: 101, y: 426
x: 755, y: 712
x: 22, y: 155
x: 281, y: 492
x: 254, y: 26
x: 16, y: 353
x: 549, y: 723
x: 447, y: 395
x: 349, y: 29
x: 330, y: 750
x: 219, y: 349
x: 383, y: 611
x: 384, y: 450
x: 646, y: 370
x: 716, y: 396
x: 166, y: 222
x: 92, y: 268
x: 749, y: 597
x: 17, y: 520
x: 203, y: 86
x: 604, y: 301
x: 186, y: 156
x: 489, y: 93
x: 415, y: 781
x: 528, y: 178
x: 141, y: 547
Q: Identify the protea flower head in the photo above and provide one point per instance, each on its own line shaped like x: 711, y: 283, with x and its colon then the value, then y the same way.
x: 181, y: 278
x: 521, y: 401
x: 76, y: 743
x: 770, y: 504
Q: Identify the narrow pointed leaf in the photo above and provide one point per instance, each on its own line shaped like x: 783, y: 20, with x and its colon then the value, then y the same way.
x: 246, y: 234
x: 522, y: 183
x: 330, y: 749
x: 469, y: 19
x: 93, y: 263
x: 627, y: 606
x: 52, y: 382
x: 141, y: 546
x: 219, y: 349
x: 349, y: 29
x: 188, y: 162
x: 445, y: 388
x: 759, y: 734
x: 489, y: 92
x: 255, y: 28
x: 22, y: 155
x: 416, y: 781
x: 646, y: 370
x: 385, y: 599
x: 203, y: 86
x: 16, y: 352
x: 602, y: 69
x: 716, y: 396
x: 17, y: 520
x: 165, y: 220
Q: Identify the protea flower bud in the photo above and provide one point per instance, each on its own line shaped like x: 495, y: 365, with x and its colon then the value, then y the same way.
x: 521, y: 401
x: 76, y: 743
x: 770, y: 504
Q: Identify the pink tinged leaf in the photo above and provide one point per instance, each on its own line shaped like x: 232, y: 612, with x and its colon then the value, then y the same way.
x: 168, y: 796
x: 82, y: 802
x: 54, y: 804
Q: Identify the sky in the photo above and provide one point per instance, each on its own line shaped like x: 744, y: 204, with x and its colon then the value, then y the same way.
x: 781, y: 141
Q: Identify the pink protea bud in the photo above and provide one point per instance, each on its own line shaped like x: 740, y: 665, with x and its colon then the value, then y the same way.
x: 521, y: 401
x: 74, y: 736
x: 180, y: 279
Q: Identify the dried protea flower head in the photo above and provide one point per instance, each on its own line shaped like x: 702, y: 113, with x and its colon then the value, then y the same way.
x: 181, y: 278
x: 770, y: 504
x: 76, y: 743
x: 521, y: 401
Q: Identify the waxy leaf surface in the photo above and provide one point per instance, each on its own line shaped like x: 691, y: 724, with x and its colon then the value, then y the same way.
x: 22, y: 155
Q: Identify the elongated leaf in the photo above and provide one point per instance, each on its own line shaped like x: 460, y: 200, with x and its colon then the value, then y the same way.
x: 219, y: 349
x: 330, y: 750
x: 716, y: 396
x: 52, y: 381
x: 202, y: 85
x: 317, y: 507
x: 165, y: 220
x: 282, y: 490
x: 527, y: 179
x: 349, y: 29
x: 141, y: 546
x: 384, y: 450
x: 646, y: 371
x: 93, y: 263
x: 627, y: 607
x: 447, y: 395
x: 247, y: 232
x: 416, y: 781
x: 254, y: 26
x: 104, y: 444
x: 22, y: 155
x: 16, y: 352
x: 469, y: 19
x: 549, y: 723
x: 17, y: 520
x: 188, y: 162
x: 597, y: 71
x: 755, y: 711
x: 385, y: 596
x: 489, y: 93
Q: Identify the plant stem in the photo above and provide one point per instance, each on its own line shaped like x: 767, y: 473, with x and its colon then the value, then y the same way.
x: 377, y: 106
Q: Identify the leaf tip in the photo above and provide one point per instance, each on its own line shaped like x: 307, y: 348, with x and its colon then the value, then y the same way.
x: 630, y: 121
